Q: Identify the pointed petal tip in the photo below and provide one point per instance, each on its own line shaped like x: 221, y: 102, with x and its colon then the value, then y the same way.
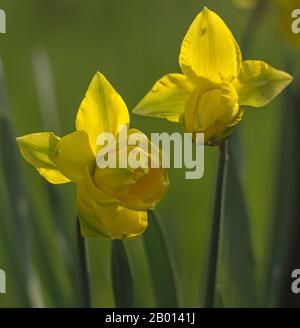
x: 286, y: 76
x: 137, y: 110
x: 134, y: 110
x: 98, y: 73
x: 206, y: 10
x: 290, y: 78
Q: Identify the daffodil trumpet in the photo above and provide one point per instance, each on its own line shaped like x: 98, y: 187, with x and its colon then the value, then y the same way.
x: 111, y: 203
x: 216, y: 86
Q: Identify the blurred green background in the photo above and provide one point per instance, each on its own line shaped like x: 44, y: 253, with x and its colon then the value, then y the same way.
x: 49, y: 54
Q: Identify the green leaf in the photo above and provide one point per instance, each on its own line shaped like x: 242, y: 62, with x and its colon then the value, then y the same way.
x: 121, y: 276
x: 18, y: 205
x: 284, y: 254
x: 236, y: 284
x: 35, y: 253
x: 83, y: 268
x: 161, y: 264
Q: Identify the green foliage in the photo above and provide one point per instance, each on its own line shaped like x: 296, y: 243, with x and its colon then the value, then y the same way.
x: 121, y: 276
x: 161, y: 264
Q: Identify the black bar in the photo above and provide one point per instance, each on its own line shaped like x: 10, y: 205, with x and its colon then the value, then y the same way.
x: 188, y: 317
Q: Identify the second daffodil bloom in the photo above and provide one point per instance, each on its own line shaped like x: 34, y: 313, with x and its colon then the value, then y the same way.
x: 210, y: 95
x: 112, y: 202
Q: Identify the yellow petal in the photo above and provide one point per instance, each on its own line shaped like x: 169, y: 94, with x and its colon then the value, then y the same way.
x: 135, y: 190
x: 90, y: 225
x: 209, y: 49
x: 167, y: 98
x: 148, y: 191
x: 122, y: 223
x: 109, y: 221
x: 259, y: 83
x: 191, y: 118
x: 74, y: 155
x: 39, y: 149
x: 113, y: 180
x: 102, y: 110
x: 88, y: 187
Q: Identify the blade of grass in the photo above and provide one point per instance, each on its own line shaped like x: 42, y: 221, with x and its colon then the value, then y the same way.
x: 18, y: 202
x: 17, y: 199
x: 49, y: 265
x: 161, y: 264
x: 83, y: 268
x: 23, y: 217
x: 46, y: 94
x: 122, y: 278
x: 9, y: 255
x: 45, y: 87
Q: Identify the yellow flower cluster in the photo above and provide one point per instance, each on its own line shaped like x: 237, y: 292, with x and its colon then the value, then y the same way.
x: 209, y: 96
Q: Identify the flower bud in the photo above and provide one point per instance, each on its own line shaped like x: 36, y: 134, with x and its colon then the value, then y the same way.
x: 212, y: 111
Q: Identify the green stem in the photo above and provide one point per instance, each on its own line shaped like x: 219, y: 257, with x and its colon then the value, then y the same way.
x: 122, y: 277
x: 250, y: 30
x: 216, y: 223
x: 83, y: 268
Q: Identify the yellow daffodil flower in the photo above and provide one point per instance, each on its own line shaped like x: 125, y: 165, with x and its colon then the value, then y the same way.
x: 215, y: 84
x: 112, y: 202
